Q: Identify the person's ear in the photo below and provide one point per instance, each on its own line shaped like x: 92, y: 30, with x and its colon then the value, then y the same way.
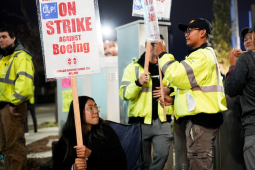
x: 203, y: 33
x: 14, y: 38
x: 253, y: 37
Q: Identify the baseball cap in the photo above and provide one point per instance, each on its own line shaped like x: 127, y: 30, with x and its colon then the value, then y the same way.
x: 198, y: 23
x: 245, y: 31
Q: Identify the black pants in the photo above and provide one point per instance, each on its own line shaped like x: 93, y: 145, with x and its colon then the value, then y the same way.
x: 31, y: 108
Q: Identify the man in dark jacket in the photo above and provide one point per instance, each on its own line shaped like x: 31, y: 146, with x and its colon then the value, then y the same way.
x: 240, y: 80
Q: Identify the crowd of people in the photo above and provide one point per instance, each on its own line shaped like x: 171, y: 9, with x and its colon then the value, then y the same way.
x: 198, y: 100
x: 193, y: 93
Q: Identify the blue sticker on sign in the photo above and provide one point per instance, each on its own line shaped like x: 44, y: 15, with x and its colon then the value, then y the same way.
x: 138, y: 5
x: 49, y: 10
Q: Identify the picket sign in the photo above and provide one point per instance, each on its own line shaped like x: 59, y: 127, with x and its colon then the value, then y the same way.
x: 71, y: 43
x: 152, y: 35
x: 163, y: 8
x: 69, y: 34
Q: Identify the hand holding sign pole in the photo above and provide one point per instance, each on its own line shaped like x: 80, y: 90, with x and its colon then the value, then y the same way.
x: 152, y: 35
x: 71, y: 43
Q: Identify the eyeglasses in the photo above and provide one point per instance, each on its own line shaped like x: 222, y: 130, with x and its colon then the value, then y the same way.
x: 98, y: 108
x: 189, y: 30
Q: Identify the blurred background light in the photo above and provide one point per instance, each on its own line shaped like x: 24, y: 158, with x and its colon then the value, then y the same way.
x: 107, y: 31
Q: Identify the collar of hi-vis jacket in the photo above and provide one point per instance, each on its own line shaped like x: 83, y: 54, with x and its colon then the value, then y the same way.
x: 11, y: 50
x: 202, y: 46
x: 8, y: 51
x: 141, y: 60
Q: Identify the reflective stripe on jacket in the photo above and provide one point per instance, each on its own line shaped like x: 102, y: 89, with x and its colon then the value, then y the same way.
x: 17, y: 77
x: 140, y: 98
x: 200, y: 88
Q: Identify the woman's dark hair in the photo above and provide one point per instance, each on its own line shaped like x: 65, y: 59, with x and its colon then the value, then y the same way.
x: 69, y: 132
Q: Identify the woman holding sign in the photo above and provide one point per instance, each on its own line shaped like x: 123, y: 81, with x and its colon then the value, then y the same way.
x: 101, y: 147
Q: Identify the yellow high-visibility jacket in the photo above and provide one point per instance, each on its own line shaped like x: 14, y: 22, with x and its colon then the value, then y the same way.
x: 198, y: 79
x: 140, y: 98
x: 32, y: 99
x: 17, y: 77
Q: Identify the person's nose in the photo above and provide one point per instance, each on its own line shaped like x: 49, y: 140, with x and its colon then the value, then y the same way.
x: 247, y: 42
x: 95, y: 111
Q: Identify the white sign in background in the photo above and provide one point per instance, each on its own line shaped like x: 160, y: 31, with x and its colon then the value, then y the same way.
x: 163, y: 8
x: 151, y: 21
x: 70, y: 40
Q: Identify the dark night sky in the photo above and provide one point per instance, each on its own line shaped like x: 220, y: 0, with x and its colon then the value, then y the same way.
x: 119, y: 12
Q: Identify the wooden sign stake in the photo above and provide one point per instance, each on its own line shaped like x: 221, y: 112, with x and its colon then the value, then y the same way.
x: 162, y: 91
x: 241, y: 52
x: 147, y: 57
x: 76, y: 111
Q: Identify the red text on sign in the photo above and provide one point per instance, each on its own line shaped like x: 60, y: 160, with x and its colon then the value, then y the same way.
x: 70, y: 38
x: 62, y: 7
x: 161, y: 1
x: 70, y: 48
x: 148, y: 2
x: 69, y: 25
x: 151, y: 17
x: 73, y: 70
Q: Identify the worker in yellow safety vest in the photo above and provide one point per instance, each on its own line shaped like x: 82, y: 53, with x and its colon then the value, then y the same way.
x: 199, y: 99
x: 16, y: 86
x: 142, y: 91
